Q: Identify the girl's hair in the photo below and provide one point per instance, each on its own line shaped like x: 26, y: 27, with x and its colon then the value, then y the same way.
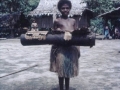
x: 62, y: 2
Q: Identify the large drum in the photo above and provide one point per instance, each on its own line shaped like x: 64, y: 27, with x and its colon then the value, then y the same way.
x: 57, y: 38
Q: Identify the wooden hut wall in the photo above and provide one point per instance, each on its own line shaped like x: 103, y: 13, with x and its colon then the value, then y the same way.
x: 84, y: 21
x: 77, y: 18
x: 44, y: 21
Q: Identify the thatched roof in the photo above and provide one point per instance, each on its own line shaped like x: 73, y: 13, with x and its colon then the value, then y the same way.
x: 49, y: 7
x: 111, y: 14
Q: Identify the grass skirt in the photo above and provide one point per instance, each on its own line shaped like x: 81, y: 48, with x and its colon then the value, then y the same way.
x: 64, y: 60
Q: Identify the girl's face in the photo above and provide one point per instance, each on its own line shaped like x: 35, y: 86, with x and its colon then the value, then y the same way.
x: 65, y: 9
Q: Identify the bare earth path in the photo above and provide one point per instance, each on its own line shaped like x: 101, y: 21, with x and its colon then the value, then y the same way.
x: 99, y: 67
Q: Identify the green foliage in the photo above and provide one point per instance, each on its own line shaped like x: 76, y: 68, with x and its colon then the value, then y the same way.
x: 99, y: 7
x: 98, y: 25
x: 9, y: 6
x: 31, y: 5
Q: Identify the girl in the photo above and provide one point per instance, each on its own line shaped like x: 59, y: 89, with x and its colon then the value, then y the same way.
x: 64, y: 59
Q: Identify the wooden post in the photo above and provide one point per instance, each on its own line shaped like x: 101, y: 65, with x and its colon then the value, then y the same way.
x: 54, y: 12
x: 15, y: 72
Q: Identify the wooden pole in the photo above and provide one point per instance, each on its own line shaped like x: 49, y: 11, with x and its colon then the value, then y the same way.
x: 19, y: 71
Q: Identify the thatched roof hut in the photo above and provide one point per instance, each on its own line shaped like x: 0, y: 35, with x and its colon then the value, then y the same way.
x: 47, y: 11
x: 114, y: 17
x: 114, y: 14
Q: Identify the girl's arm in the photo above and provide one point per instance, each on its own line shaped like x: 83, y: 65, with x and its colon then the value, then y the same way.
x: 56, y: 26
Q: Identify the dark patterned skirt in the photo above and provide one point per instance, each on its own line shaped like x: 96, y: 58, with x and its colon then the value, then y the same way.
x: 64, y: 60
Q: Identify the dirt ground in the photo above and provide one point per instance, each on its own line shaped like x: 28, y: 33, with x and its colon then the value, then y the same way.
x: 99, y: 67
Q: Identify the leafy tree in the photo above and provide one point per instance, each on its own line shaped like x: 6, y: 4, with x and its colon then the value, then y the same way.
x: 100, y: 6
x: 9, y: 6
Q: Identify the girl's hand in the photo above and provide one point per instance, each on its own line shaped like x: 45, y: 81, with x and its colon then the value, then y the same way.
x: 67, y: 36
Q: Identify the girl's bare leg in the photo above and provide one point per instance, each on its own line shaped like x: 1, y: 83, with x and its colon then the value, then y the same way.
x: 67, y: 83
x: 61, y: 83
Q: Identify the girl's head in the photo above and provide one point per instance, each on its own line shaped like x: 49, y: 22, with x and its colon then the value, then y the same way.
x: 62, y: 2
x: 64, y: 6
